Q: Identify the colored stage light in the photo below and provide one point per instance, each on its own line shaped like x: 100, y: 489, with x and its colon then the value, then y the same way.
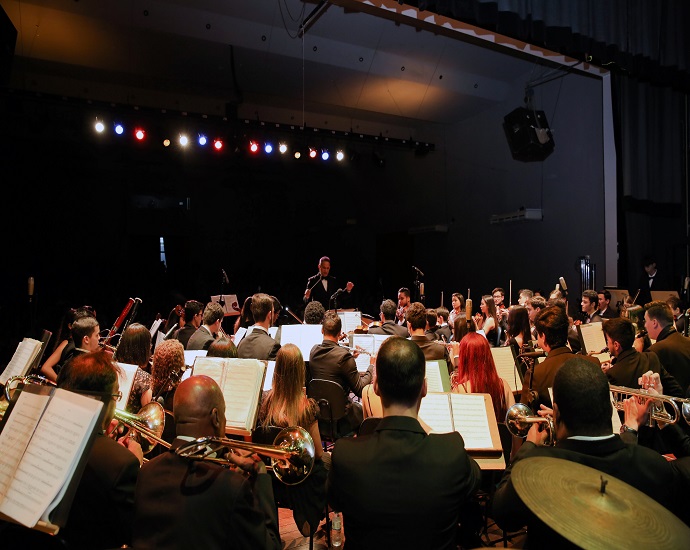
x: 202, y: 140
x: 139, y: 134
x: 166, y: 143
x: 268, y: 148
x: 339, y: 156
x: 325, y: 155
x: 183, y: 140
x: 99, y: 126
x: 282, y: 148
x: 312, y: 153
x: 119, y: 129
x: 253, y: 146
x: 217, y: 144
x: 297, y: 154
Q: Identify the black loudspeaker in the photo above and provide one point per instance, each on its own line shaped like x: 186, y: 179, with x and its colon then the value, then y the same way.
x: 8, y: 39
x: 528, y: 133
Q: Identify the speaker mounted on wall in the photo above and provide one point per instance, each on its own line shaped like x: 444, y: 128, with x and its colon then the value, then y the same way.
x: 528, y: 134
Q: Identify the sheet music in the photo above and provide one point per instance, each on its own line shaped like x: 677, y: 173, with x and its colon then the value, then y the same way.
x: 350, y: 320
x: 51, y: 456
x: 434, y: 382
x: 209, y: 366
x: 230, y: 304
x: 378, y: 340
x: 471, y: 420
x: 304, y: 337
x: 268, y: 380
x: 273, y: 331
x: 126, y: 383
x: 505, y: 366
x: 367, y: 343
x: 160, y: 337
x: 16, y: 434
x: 435, y: 411
x: 191, y: 354
x: 592, y: 337
x: 155, y: 326
x: 22, y: 358
x: 241, y: 391
x: 241, y: 333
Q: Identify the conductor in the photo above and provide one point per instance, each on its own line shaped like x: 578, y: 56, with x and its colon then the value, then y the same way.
x: 323, y: 288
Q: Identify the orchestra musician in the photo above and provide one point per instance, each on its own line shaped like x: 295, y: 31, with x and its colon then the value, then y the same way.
x: 323, y: 287
x: 258, y: 344
x: 458, y: 303
x: 64, y: 349
x: 209, y: 330
x: 403, y: 304
x: 582, y: 417
x: 401, y: 487
x: 106, y: 488
x: 388, y: 325
x: 183, y: 503
x: 192, y: 318
x: 487, y: 320
x: 86, y: 336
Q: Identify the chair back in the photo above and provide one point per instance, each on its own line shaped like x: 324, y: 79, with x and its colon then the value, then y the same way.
x: 368, y: 425
x: 332, y: 401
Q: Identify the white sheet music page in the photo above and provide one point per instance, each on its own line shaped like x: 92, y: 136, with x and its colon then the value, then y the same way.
x: 592, y: 337
x: 505, y: 366
x: 23, y: 356
x: 241, y: 389
x: 367, y: 343
x: 435, y: 411
x: 350, y: 320
x: 434, y: 383
x: 155, y: 326
x: 51, y: 457
x: 126, y: 383
x: 268, y: 379
x: 378, y: 340
x: 211, y: 367
x: 15, y: 436
x: 241, y: 333
x: 191, y: 354
x: 304, y: 337
x: 470, y: 417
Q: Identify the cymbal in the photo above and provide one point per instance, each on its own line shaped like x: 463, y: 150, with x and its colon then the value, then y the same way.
x: 568, y: 497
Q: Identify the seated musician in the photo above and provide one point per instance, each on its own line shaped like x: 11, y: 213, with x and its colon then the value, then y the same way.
x: 208, y: 332
x: 400, y: 487
x: 259, y: 344
x: 330, y: 361
x: 552, y: 327
x: 286, y: 405
x: 102, y: 511
x: 417, y: 324
x: 184, y: 503
x: 583, y: 430
x: 85, y: 333
x: 166, y: 371
x: 388, y: 324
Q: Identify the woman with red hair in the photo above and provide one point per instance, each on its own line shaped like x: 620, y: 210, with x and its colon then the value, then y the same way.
x: 476, y: 373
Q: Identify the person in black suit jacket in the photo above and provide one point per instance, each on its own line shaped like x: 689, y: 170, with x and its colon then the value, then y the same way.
x: 106, y: 488
x: 322, y: 287
x: 443, y: 330
x: 388, y: 325
x: 184, y: 503
x: 400, y: 487
x: 672, y: 347
x: 650, y: 280
x: 208, y: 332
x: 258, y: 344
x: 604, y: 305
x: 582, y: 417
x: 552, y: 326
x: 193, y: 317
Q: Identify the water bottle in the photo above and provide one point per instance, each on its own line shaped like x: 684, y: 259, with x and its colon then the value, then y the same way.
x: 336, y: 531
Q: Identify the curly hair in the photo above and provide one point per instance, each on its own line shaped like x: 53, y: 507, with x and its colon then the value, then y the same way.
x: 168, y: 357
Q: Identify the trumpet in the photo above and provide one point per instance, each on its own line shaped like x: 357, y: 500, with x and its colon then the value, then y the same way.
x: 14, y: 381
x: 678, y: 405
x: 149, y: 423
x: 292, y: 453
x: 519, y: 420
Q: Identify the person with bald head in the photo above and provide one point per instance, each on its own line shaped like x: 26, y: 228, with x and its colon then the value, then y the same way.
x: 184, y: 503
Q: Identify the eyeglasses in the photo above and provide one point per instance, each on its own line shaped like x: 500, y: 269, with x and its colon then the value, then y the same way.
x: 116, y: 396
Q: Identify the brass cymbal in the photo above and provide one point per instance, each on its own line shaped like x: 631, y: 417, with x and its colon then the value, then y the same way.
x: 568, y: 497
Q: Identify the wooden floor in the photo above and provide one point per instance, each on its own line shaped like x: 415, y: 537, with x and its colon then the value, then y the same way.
x: 293, y: 539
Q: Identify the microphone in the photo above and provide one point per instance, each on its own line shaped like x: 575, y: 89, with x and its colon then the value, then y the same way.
x: 533, y: 354
x: 564, y: 286
x: 418, y: 270
x: 31, y: 289
x: 337, y: 293
x: 225, y: 277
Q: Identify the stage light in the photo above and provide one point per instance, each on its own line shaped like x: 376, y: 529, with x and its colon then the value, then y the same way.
x: 183, y: 140
x: 99, y: 126
x: 324, y: 155
x: 166, y: 143
x: 217, y: 144
x: 268, y: 148
x: 339, y: 156
x: 297, y: 154
x: 253, y: 146
x: 312, y: 153
x: 202, y: 140
x: 119, y: 129
x: 139, y: 134
x: 282, y: 148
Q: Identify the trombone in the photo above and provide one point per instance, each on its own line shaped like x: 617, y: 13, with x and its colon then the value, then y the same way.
x: 292, y: 452
x: 678, y: 405
x: 14, y: 381
x: 149, y: 423
x: 519, y: 420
